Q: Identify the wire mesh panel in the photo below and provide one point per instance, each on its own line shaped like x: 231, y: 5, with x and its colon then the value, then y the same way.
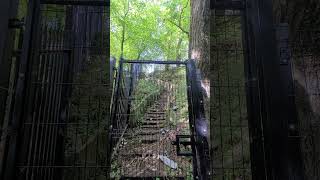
x: 306, y: 72
x: 156, y: 117
x: 63, y: 132
x: 229, y: 121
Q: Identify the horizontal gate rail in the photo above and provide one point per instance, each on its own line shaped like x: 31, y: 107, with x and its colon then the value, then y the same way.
x: 78, y: 3
x: 153, y: 62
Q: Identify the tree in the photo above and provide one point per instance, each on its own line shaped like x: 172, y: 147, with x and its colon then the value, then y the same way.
x: 199, y: 34
x: 150, y: 29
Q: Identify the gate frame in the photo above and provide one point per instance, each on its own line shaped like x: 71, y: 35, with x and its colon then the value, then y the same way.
x: 200, y: 147
x: 8, y: 27
x: 280, y: 152
x: 269, y: 102
x: 29, y: 51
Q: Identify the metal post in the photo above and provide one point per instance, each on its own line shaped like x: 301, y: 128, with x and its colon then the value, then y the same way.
x: 199, y: 125
x: 8, y: 28
x: 191, y: 122
x: 30, y: 43
x: 295, y: 167
x: 274, y: 110
x: 252, y: 84
x: 113, y: 116
x: 131, y: 84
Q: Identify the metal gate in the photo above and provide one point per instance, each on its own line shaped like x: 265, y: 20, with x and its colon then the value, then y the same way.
x: 55, y: 89
x: 158, y: 128
x: 271, y: 134
x: 54, y: 125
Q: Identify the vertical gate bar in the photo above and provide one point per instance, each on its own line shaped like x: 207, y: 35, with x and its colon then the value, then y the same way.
x: 43, y: 126
x: 52, y: 108
x: 56, y: 110
x: 65, y: 93
x: 8, y: 12
x: 4, y: 123
x: 295, y: 164
x: 56, y: 126
x: 113, y: 116
x: 37, y: 113
x: 253, y: 100
x: 58, y: 129
x: 62, y: 116
x: 13, y: 78
x: 272, y: 90
x: 30, y: 43
x: 198, y: 125
x: 5, y: 15
x: 33, y: 103
x: 42, y: 115
x: 44, y: 45
x: 132, y: 69
x: 47, y: 123
x: 46, y: 115
x: 191, y: 123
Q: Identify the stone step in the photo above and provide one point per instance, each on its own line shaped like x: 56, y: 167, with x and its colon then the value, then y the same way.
x: 157, y: 108
x: 158, y: 113
x: 160, y: 107
x: 151, y: 117
x: 155, y: 115
x: 148, y: 132
x: 135, y: 155
x: 152, y: 122
x: 152, y: 126
x: 155, y: 119
x: 149, y: 141
x: 146, y: 177
x: 145, y: 136
x: 145, y: 139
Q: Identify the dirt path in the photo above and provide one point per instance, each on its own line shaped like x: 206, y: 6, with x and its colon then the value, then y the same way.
x: 144, y: 149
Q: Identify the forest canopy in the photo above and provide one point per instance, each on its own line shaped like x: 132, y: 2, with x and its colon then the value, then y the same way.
x: 150, y: 29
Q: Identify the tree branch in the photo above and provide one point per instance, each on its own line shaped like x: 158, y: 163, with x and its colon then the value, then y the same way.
x: 123, y: 39
x: 183, y: 9
x: 184, y: 31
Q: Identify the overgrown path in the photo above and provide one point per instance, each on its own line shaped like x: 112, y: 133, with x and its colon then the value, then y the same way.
x: 147, y: 150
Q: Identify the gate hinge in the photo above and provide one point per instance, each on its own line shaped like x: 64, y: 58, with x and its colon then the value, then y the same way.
x: 16, y: 23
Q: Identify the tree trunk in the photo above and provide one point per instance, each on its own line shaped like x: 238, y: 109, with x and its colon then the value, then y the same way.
x: 199, y: 35
x: 199, y: 43
x: 199, y: 38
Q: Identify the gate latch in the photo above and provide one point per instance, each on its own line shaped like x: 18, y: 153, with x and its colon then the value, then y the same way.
x: 186, y: 141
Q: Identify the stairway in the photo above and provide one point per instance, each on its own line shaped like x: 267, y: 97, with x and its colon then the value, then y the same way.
x: 138, y: 156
